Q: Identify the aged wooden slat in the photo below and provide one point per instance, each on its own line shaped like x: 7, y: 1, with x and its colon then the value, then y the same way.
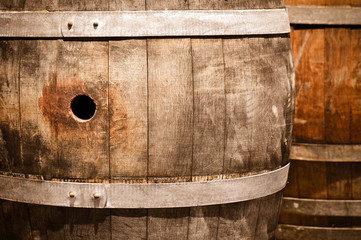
x: 82, y: 69
x: 308, y: 48
x: 38, y: 134
x: 170, y: 107
x: 267, y: 216
x: 16, y: 222
x: 285, y: 231
x: 170, y: 90
x: 128, y: 109
x: 318, y: 15
x: 249, y: 100
x: 305, y: 2
x: 9, y: 110
x: 326, y: 152
x: 47, y: 222
x: 209, y: 107
x: 129, y: 223
x: 322, y: 207
x: 203, y: 222
x: 170, y: 126
x: 338, y: 85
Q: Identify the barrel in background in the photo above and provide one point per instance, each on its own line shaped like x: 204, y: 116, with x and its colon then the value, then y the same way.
x: 167, y: 110
x: 322, y: 197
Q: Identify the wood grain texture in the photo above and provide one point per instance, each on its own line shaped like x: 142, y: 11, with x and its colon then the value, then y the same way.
x: 168, y: 223
x: 16, y: 222
x: 257, y: 122
x: 128, y: 108
x: 203, y: 222
x: 129, y: 223
x: 39, y: 146
x: 82, y: 69
x: 128, y: 5
x: 170, y: 107
x: 209, y: 107
x: 10, y: 159
x: 308, y: 49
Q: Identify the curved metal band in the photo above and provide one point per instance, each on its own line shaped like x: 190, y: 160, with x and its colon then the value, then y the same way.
x: 142, y: 195
x: 143, y: 23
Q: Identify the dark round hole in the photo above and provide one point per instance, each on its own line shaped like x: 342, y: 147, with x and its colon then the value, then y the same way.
x: 83, y: 107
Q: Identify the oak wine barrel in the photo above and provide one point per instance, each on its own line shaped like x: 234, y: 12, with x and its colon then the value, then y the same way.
x: 322, y: 199
x: 144, y: 119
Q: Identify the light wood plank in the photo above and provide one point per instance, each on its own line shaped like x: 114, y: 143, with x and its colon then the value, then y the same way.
x: 128, y: 109
x: 209, y: 107
x: 203, y: 222
x: 166, y: 5
x: 170, y: 107
x: 253, y: 111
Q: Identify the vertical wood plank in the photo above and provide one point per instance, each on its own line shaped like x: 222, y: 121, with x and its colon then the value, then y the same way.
x: 203, y: 222
x: 16, y: 216
x: 47, y: 222
x: 168, y: 223
x: 10, y: 159
x: 170, y: 125
x: 128, y: 109
x: 86, y: 223
x: 238, y: 220
x: 305, y: 2
x: 129, y: 223
x: 267, y: 216
x: 170, y: 89
x: 170, y: 107
x: 308, y: 47
x: 355, y: 80
x: 38, y: 134
x: 338, y: 85
x: 209, y: 107
x: 82, y: 69
x: 258, y: 121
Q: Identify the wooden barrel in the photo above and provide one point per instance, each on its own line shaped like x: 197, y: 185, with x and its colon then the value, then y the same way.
x: 322, y: 199
x: 112, y: 134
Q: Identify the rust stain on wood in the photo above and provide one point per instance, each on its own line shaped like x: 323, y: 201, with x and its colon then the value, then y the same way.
x: 56, y: 100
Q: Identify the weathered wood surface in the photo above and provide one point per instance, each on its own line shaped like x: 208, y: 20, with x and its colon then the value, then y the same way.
x: 327, y: 66
x: 286, y: 232
x: 322, y: 207
x: 166, y: 113
x: 326, y: 152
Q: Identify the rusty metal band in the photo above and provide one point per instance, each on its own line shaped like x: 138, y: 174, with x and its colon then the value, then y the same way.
x: 143, y: 23
x: 142, y: 195
x: 326, y: 152
x: 324, y: 15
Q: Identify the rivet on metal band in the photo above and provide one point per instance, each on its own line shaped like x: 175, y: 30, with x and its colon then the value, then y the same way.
x: 142, y: 195
x: 144, y: 23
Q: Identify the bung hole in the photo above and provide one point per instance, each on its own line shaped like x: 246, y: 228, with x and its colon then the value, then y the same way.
x: 83, y: 107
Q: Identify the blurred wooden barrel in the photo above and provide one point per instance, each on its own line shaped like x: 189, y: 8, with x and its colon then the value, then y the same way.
x: 322, y: 199
x: 112, y: 110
